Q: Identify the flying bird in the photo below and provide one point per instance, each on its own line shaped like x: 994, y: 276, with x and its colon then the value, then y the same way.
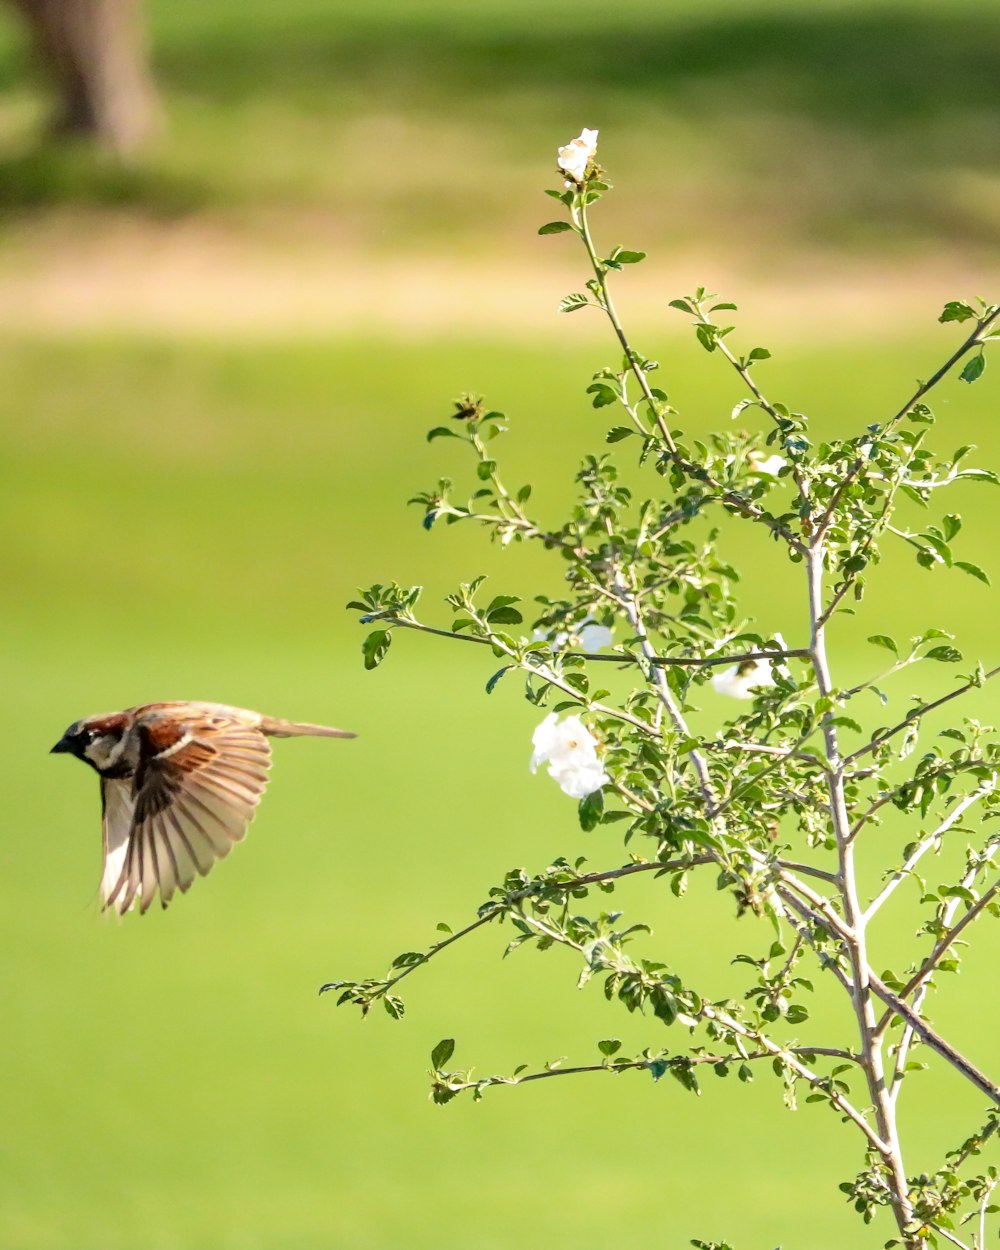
x: 180, y: 782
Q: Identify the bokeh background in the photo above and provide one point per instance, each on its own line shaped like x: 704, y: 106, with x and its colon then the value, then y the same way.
x: 219, y: 358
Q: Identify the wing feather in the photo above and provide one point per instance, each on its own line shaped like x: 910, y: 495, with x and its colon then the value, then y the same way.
x: 118, y: 811
x: 195, y: 791
x: 185, y: 860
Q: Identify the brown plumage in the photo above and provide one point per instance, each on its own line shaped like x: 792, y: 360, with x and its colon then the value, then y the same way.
x: 180, y: 782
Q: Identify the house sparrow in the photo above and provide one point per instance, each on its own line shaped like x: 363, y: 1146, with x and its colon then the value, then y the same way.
x: 179, y: 784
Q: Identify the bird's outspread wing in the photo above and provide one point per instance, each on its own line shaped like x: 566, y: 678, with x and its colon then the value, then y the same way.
x: 117, y: 810
x: 195, y: 790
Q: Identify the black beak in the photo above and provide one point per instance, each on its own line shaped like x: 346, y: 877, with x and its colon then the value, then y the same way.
x: 62, y: 747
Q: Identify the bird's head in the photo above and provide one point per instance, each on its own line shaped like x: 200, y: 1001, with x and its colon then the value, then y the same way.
x: 97, y: 740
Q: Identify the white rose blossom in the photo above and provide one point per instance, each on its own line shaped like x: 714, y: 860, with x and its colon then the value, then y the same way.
x: 770, y: 466
x: 593, y: 636
x: 570, y: 750
x: 589, y: 635
x: 740, y: 681
x: 577, y: 155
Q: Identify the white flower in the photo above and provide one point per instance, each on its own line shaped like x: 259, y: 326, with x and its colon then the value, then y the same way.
x: 588, y: 635
x: 570, y: 750
x: 577, y: 155
x: 742, y: 679
x: 769, y: 467
x: 593, y: 636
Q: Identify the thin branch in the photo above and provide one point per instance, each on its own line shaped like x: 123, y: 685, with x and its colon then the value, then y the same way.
x: 770, y: 768
x: 658, y: 661
x: 628, y: 870
x: 812, y: 1078
x: 920, y: 984
x: 932, y: 1039
x: 882, y: 801
x: 614, y: 1066
x: 955, y: 1241
x: 762, y: 748
x: 983, y: 1204
x: 808, y: 870
x: 975, y: 338
x: 761, y: 399
x: 426, y: 956
x: 949, y: 938
x: 924, y: 845
x: 695, y: 472
x: 918, y: 713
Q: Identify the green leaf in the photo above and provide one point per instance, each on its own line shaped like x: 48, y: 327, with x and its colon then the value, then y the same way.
x: 944, y: 655
x: 441, y: 431
x: 974, y: 368
x: 956, y: 310
x: 375, y: 646
x: 617, y: 433
x: 759, y: 353
x: 883, y: 640
x: 505, y: 616
x: 603, y: 394
x: 491, y: 684
x: 744, y: 403
x: 938, y: 546
x: 629, y: 258
x: 610, y: 1046
x: 706, y: 337
x: 590, y: 810
x: 572, y: 302
x: 442, y: 1052
x: 973, y: 570
x: 682, y: 305
x: 500, y: 611
x: 555, y: 227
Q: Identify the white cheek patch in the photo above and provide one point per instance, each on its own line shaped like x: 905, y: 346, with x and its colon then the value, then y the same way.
x: 104, y: 752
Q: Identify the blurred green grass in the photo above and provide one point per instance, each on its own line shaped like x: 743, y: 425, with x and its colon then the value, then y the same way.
x: 758, y: 128
x: 188, y: 519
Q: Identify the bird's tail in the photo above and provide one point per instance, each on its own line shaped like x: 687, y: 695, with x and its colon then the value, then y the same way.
x: 297, y: 729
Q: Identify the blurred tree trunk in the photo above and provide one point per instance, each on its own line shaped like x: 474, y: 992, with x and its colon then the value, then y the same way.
x: 95, y: 51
